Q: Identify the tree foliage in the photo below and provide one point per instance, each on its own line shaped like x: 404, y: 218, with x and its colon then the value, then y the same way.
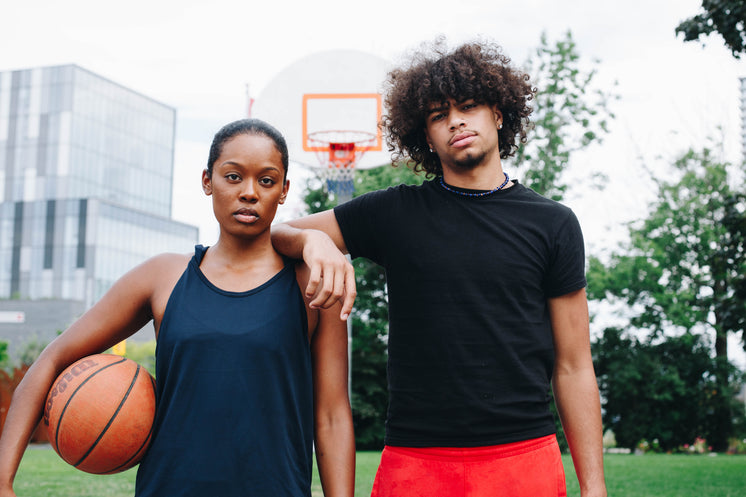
x: 570, y: 114
x: 4, y: 357
x: 685, y: 265
x: 726, y: 17
x: 142, y: 353
x: 684, y: 268
x: 662, y: 390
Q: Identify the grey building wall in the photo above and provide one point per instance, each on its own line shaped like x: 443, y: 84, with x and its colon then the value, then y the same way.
x: 36, y: 320
x: 23, y: 322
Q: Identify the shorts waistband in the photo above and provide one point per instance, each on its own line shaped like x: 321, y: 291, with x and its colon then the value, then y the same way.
x: 483, y: 452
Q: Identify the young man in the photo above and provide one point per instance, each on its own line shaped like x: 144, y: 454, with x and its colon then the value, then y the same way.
x: 487, y: 306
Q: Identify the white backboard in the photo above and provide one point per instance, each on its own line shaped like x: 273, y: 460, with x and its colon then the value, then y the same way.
x: 331, y: 90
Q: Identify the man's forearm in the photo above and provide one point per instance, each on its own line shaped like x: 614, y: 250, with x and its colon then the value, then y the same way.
x: 579, y: 407
x: 332, y: 277
x: 288, y: 240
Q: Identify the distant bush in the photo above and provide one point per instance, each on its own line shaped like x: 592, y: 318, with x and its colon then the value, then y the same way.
x: 142, y: 353
x: 4, y: 358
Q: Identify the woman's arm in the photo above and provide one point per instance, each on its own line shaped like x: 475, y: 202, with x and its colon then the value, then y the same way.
x: 334, y: 434
x: 123, y: 310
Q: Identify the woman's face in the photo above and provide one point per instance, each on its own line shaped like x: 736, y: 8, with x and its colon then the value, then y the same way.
x: 247, y: 184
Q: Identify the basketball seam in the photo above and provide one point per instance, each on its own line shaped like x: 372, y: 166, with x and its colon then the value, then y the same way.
x: 113, y: 417
x: 142, y: 446
x: 72, y: 395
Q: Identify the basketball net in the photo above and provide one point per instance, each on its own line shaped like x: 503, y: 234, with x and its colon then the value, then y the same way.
x: 338, y: 152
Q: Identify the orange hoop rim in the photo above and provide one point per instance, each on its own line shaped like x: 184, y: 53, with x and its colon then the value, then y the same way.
x: 362, y: 140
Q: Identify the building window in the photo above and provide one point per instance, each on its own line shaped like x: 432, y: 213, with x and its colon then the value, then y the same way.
x: 49, y: 235
x: 82, y: 221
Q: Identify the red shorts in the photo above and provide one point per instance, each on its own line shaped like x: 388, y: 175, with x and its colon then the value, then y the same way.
x: 530, y: 468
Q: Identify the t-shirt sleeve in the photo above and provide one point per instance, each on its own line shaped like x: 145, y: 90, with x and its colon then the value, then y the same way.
x: 359, y: 221
x: 566, y: 272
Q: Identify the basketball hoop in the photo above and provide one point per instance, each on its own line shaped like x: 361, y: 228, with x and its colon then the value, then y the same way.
x: 339, y: 151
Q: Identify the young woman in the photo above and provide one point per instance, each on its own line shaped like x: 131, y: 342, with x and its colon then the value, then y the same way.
x: 248, y: 374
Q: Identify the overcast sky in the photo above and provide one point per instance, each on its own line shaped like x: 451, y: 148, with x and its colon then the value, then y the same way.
x: 198, y: 57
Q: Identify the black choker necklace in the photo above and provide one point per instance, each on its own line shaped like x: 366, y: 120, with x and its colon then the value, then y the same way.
x: 480, y: 194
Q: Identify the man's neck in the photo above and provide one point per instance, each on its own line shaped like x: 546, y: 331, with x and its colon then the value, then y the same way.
x: 483, y: 177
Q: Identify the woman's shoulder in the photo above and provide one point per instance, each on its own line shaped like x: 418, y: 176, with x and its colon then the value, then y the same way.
x: 168, y: 260
x: 163, y: 267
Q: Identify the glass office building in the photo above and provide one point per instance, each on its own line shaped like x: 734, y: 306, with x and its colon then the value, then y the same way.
x: 86, y: 168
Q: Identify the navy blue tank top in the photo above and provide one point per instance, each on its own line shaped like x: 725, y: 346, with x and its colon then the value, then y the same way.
x: 234, y: 391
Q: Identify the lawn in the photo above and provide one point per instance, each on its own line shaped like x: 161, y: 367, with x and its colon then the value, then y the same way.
x: 43, y: 474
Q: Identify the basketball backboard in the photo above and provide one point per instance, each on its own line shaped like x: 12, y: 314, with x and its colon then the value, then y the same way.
x: 336, y: 90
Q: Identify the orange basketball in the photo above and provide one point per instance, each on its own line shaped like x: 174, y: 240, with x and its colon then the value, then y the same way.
x: 99, y: 413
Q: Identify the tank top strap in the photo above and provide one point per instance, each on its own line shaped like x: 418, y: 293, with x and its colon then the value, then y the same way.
x: 199, y: 254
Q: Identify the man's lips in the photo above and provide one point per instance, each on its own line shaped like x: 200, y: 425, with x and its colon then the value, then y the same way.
x: 462, y: 139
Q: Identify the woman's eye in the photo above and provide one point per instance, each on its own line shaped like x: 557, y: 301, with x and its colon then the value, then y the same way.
x: 267, y: 181
x: 232, y: 177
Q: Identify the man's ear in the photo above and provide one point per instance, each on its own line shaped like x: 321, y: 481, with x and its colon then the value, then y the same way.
x: 498, y: 116
x: 427, y: 139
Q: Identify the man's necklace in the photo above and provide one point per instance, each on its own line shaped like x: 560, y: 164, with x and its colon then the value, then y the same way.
x: 481, y: 194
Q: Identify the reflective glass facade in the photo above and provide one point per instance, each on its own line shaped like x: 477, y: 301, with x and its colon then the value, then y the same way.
x: 86, y: 169
x: 68, y: 133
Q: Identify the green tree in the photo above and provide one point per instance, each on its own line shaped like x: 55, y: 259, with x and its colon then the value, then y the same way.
x: 4, y: 357
x: 369, y: 317
x: 685, y: 267
x: 658, y: 389
x: 726, y: 17
x: 570, y: 113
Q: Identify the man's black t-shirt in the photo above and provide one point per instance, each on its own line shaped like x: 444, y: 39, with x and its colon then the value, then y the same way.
x: 470, y: 342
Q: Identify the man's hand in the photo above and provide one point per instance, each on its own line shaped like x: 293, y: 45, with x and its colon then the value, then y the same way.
x: 332, y: 276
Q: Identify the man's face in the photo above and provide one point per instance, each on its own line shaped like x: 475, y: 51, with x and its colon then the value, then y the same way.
x: 463, y: 134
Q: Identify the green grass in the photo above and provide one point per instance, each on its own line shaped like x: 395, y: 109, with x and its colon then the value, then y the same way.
x: 43, y: 474
x: 661, y: 475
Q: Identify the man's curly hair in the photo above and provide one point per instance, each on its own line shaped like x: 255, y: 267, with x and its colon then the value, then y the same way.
x: 478, y: 71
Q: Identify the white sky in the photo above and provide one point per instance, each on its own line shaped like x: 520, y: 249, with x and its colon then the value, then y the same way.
x: 198, y: 56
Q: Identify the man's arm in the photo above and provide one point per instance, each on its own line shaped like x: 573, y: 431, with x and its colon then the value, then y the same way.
x: 317, y: 240
x: 576, y: 390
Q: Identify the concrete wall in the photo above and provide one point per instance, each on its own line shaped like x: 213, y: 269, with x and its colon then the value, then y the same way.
x: 23, y: 321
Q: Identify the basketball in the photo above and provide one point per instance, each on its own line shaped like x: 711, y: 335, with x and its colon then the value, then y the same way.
x: 99, y: 413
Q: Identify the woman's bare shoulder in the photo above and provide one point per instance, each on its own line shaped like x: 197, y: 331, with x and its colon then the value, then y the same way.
x: 166, y: 267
